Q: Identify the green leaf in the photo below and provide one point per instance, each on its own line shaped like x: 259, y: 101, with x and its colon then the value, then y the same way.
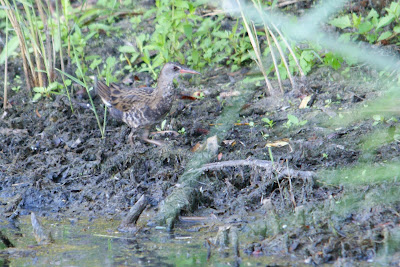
x: 371, y: 37
x: 386, y: 20
x: 341, y: 22
x: 365, y: 27
x: 127, y: 49
x: 195, y: 57
x: 385, y: 35
x: 36, y: 97
x: 182, y: 4
x: 188, y: 30
x: 356, y: 20
x: 111, y: 61
x: 333, y: 60
x: 307, y: 55
x: 396, y: 29
x: 95, y: 63
x: 372, y: 14
x: 95, y: 27
x: 38, y: 89
x: 72, y: 78
x: 345, y: 37
x: 394, y: 9
x: 293, y: 119
x: 163, y: 124
x: 52, y: 86
x: 221, y: 34
x: 12, y: 46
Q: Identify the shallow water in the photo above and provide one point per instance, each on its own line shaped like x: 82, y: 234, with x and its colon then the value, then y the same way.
x: 98, y: 243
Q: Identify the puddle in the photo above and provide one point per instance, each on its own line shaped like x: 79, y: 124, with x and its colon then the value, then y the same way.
x: 98, y: 243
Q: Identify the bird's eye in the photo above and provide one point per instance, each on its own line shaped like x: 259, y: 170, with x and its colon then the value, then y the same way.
x: 176, y: 68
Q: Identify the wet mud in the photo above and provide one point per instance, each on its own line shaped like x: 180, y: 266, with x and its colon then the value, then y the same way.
x: 54, y: 161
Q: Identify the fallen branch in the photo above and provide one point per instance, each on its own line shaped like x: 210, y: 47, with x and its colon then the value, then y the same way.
x: 128, y: 224
x: 265, y: 164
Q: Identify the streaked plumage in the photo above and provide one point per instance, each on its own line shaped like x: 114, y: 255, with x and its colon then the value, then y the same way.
x: 142, y: 107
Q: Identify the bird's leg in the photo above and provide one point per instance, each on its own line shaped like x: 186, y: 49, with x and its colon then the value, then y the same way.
x: 174, y: 133
x: 145, y: 137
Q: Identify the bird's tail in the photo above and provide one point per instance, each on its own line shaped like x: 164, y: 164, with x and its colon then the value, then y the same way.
x: 103, y: 91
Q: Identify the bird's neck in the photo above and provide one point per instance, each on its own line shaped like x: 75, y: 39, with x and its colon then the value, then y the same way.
x: 165, y: 88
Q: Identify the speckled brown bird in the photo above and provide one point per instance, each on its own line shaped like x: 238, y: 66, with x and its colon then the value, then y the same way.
x: 142, y: 107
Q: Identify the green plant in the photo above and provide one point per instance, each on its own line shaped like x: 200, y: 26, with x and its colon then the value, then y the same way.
x: 333, y: 60
x: 275, y: 40
x: 182, y: 35
x: 378, y: 119
x: 182, y: 131
x: 264, y: 135
x: 372, y: 27
x: 52, y: 88
x: 268, y: 123
x: 294, y: 121
x: 162, y: 126
x: 84, y: 84
x: 37, y: 49
x: 16, y: 88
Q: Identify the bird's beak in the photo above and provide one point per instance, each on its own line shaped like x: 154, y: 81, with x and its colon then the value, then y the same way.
x: 185, y: 70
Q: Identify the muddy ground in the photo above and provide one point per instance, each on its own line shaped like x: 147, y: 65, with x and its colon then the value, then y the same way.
x: 54, y: 161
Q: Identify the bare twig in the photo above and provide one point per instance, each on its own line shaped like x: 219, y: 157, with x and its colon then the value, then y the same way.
x: 133, y: 215
x: 290, y: 186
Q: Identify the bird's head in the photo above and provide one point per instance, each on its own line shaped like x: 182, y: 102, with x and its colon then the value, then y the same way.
x: 174, y: 69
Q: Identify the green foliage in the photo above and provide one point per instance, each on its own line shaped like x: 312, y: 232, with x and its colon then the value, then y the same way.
x: 162, y: 126
x: 373, y: 27
x: 182, y: 35
x: 182, y: 131
x: 378, y: 119
x: 268, y: 123
x: 294, y: 121
x: 52, y: 88
x: 333, y: 60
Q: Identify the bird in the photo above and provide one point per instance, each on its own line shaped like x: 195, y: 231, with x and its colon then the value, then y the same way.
x: 140, y: 108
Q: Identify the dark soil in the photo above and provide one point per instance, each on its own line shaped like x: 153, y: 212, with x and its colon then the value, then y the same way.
x: 55, y: 162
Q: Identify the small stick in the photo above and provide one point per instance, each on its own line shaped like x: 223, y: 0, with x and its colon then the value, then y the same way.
x: 290, y: 187
x: 133, y: 215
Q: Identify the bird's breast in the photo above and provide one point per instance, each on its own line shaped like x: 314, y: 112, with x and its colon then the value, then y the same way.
x: 146, y: 115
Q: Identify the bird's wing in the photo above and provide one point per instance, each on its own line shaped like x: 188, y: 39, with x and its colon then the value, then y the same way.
x: 122, y: 97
